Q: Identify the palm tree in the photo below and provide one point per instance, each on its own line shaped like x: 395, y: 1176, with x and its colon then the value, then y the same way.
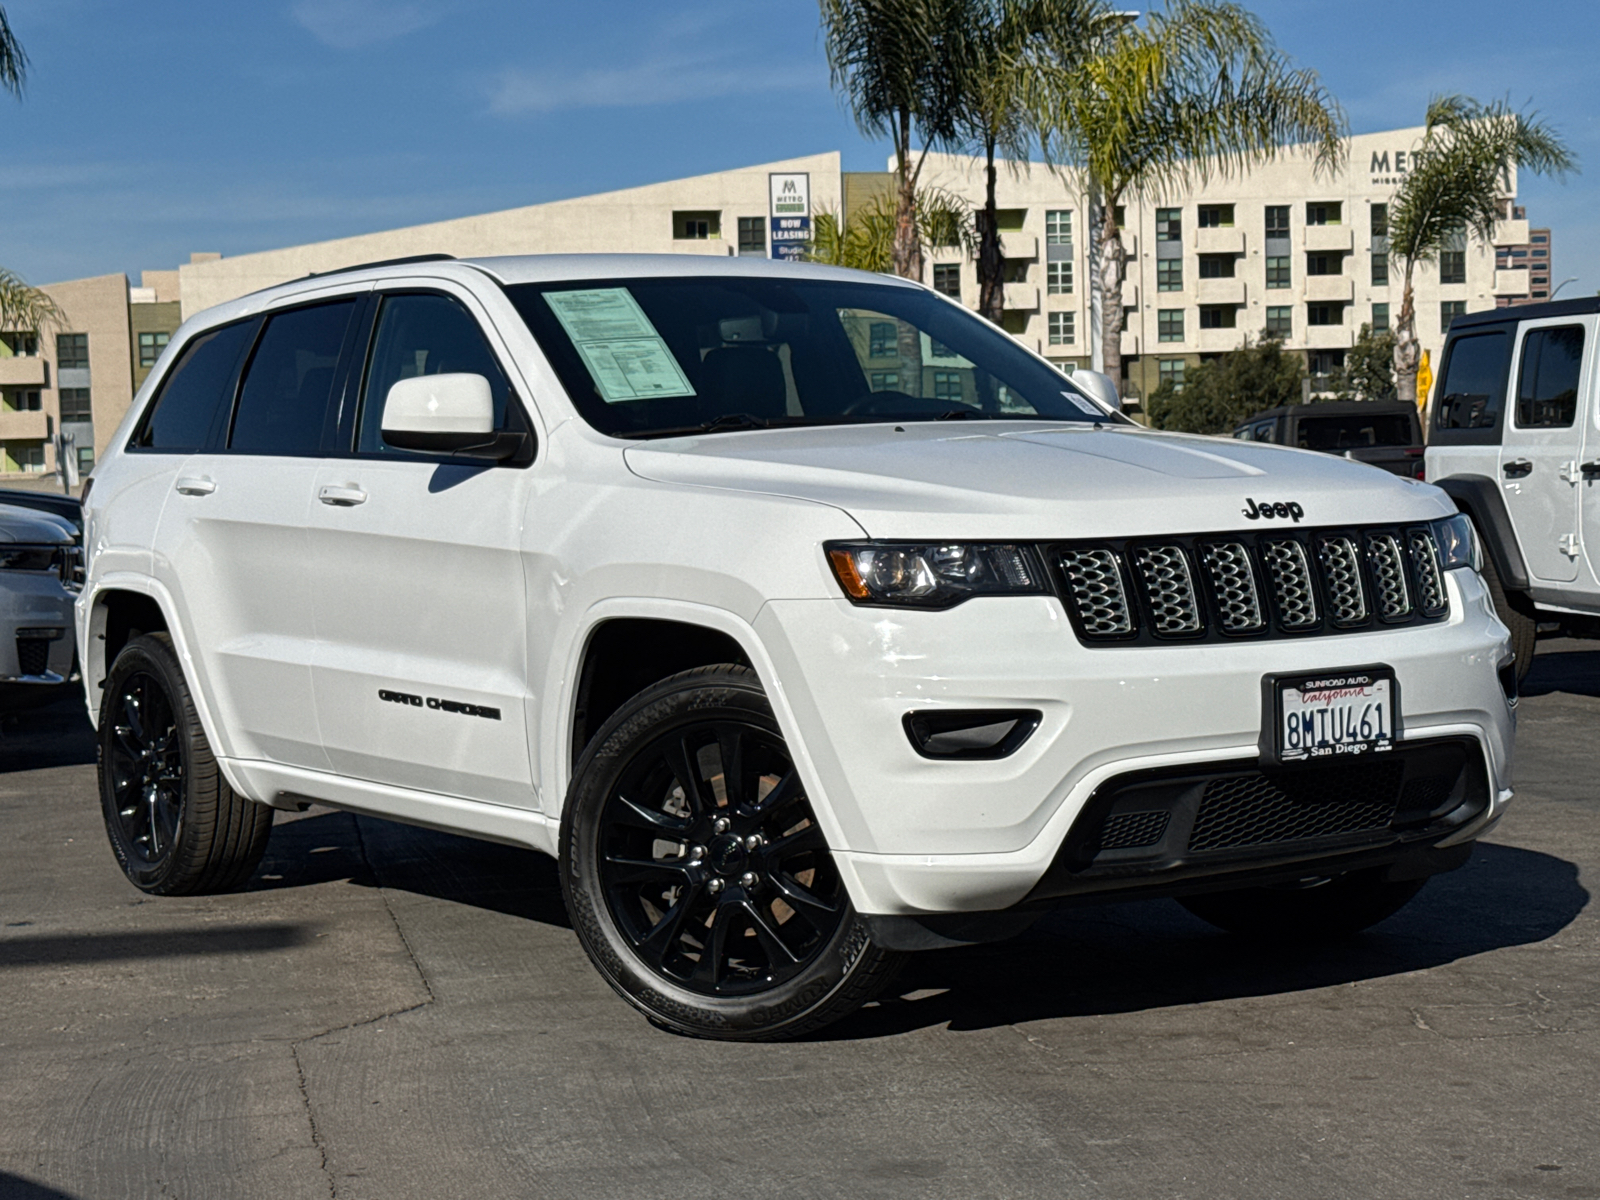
x: 1196, y: 91
x: 866, y: 240
x: 898, y: 63
x: 21, y: 307
x: 13, y: 62
x: 1457, y: 181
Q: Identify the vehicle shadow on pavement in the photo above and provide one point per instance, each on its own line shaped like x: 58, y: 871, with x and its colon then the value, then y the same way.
x: 1576, y: 672
x: 1095, y: 961
x: 76, y: 949
x: 15, y: 1187
x: 56, y: 736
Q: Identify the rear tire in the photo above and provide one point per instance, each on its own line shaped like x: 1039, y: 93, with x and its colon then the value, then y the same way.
x: 1524, y: 628
x: 176, y: 827
x: 696, y: 875
x: 1344, y: 905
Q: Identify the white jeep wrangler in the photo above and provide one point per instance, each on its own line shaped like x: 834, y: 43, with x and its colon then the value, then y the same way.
x: 1516, y: 443
x: 804, y: 615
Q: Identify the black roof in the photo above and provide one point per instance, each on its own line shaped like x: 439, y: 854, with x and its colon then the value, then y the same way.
x: 1528, y: 312
x: 1331, y: 408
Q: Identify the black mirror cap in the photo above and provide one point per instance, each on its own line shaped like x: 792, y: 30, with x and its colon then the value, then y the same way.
x: 972, y: 734
x: 496, y: 447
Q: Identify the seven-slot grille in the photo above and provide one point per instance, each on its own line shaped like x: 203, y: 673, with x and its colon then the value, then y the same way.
x: 1259, y: 584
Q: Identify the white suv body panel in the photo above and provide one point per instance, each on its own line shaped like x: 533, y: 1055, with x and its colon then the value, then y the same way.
x: 483, y: 586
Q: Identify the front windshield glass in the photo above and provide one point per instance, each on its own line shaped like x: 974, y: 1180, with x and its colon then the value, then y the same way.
x: 653, y: 357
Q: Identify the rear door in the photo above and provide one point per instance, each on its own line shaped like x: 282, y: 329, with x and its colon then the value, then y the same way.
x: 421, y: 611
x: 1539, y: 471
x: 1589, y: 487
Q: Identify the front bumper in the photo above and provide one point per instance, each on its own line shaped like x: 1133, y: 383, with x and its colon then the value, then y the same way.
x: 36, y: 639
x: 918, y: 836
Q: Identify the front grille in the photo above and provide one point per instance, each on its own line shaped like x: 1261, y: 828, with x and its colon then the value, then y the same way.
x: 1260, y: 810
x: 1127, y: 831
x: 1286, y: 583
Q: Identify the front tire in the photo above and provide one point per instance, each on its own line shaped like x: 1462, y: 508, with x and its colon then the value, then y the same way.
x: 1339, y: 907
x: 696, y: 875
x: 176, y: 827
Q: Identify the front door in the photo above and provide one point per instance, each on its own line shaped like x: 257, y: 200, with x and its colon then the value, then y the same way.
x: 420, y: 670
x: 1539, y: 468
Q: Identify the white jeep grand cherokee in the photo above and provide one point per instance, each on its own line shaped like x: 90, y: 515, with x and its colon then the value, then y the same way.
x: 804, y: 615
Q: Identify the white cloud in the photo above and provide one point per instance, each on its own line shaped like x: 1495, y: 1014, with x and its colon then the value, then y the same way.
x: 349, y: 24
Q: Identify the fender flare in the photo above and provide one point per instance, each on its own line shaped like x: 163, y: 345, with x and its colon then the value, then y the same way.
x: 1479, y: 497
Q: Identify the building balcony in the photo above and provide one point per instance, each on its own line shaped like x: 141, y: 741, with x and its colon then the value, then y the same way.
x: 23, y: 426
x: 1328, y: 337
x: 1130, y: 344
x: 1511, y: 283
x: 716, y: 246
x: 1213, y: 341
x: 22, y: 371
x: 1330, y: 237
x: 1222, y: 291
x: 1130, y: 294
x: 1511, y: 233
x: 1019, y: 245
x: 1023, y: 297
x: 1219, y: 241
x: 1330, y: 287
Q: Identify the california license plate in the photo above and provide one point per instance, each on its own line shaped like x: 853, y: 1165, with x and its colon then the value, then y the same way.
x: 1335, y: 714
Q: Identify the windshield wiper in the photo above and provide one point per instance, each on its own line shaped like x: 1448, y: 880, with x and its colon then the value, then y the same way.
x: 715, y: 425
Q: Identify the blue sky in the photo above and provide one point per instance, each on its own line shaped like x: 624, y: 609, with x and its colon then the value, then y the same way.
x: 154, y: 129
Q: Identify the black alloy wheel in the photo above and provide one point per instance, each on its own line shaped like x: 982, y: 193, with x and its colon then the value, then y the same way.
x: 146, y: 767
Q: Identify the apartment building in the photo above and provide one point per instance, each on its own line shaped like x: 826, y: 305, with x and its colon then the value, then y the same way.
x: 1529, y: 267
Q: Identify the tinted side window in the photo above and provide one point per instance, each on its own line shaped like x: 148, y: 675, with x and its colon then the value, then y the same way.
x: 283, y: 405
x: 1547, y: 383
x: 1471, y: 392
x: 1354, y: 432
x: 197, y: 392
x: 427, y: 335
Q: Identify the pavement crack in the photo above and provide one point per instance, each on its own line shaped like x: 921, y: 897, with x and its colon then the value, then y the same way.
x: 311, y: 1120
x: 383, y: 894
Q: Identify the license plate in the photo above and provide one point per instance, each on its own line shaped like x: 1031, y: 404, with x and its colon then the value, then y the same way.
x: 1335, y: 714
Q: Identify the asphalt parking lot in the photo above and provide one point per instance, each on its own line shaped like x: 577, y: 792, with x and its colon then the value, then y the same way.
x: 388, y: 1012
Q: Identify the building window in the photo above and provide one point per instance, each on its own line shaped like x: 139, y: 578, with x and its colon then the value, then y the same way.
x: 1278, y: 271
x: 1324, y: 264
x: 1010, y: 220
x: 947, y: 385
x: 1218, y: 316
x: 1169, y: 224
x: 1169, y: 275
x: 1277, y: 220
x: 25, y: 456
x: 1014, y: 270
x: 1540, y: 295
x: 1380, y: 318
x: 1324, y: 213
x: 1540, y: 239
x: 1519, y: 254
x: 1058, y: 277
x: 885, y: 381
x: 696, y: 226
x: 150, y: 347
x: 1128, y: 314
x: 1380, y: 270
x: 1449, y: 310
x: 1058, y: 227
x: 75, y: 405
x: 1216, y: 216
x: 16, y: 343
x: 85, y: 460
x: 1452, y: 266
x: 882, y: 340
x: 72, y: 351
x: 1217, y: 266
x: 1322, y: 363
x: 1541, y: 279
x: 28, y: 401
x: 1169, y: 325
x: 1324, y: 314
x: 1171, y: 373
x: 1380, y: 220
x: 752, y: 237
x: 1063, y: 328
x: 1541, y: 254
x: 947, y: 279
x: 1280, y: 321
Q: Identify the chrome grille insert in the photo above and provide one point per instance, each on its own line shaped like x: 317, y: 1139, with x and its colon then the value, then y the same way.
x: 1233, y: 582
x: 1292, y: 590
x: 1101, y: 601
x: 1388, y: 566
x: 1431, y: 596
x: 1169, y: 587
x: 1341, y: 576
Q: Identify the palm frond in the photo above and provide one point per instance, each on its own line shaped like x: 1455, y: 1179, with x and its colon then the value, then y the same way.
x: 13, y: 61
x: 24, y: 308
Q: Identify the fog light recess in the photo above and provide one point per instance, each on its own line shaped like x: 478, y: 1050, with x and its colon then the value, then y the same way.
x: 972, y: 733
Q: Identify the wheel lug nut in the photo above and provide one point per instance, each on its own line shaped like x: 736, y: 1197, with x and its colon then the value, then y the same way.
x: 697, y: 852
x: 721, y: 824
x: 748, y: 879
x: 715, y: 886
x: 752, y: 842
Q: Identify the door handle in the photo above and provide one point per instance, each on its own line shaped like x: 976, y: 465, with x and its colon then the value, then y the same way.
x: 1517, y: 468
x: 1590, y: 469
x: 195, y: 487
x: 342, y: 497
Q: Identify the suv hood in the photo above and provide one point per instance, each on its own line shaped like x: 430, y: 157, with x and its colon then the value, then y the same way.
x: 28, y: 527
x: 1036, y: 481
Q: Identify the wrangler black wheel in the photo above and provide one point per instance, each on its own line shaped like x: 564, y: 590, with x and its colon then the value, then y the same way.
x: 697, y: 875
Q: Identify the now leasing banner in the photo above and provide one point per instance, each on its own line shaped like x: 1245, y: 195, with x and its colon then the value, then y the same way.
x: 789, y: 214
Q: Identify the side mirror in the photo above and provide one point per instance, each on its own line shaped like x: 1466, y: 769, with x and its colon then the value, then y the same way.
x: 1099, y: 386
x: 446, y: 414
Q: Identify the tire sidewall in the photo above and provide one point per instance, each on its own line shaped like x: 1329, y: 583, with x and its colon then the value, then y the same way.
x: 728, y: 694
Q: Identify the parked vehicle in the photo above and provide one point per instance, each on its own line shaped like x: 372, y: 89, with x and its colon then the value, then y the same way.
x: 1516, y: 444
x: 1380, y: 433
x: 806, y: 617
x: 40, y: 569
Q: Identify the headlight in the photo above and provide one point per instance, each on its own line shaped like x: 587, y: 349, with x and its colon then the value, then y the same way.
x: 1458, y: 543
x: 932, y: 575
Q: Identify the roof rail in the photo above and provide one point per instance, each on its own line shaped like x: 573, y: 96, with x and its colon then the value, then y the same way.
x: 385, y: 262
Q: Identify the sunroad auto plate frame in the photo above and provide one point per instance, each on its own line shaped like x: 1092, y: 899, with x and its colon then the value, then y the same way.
x: 1272, y: 713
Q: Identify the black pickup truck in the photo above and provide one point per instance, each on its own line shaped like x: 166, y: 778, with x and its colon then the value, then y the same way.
x: 1381, y: 433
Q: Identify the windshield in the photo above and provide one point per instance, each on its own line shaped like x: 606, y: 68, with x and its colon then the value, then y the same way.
x: 653, y: 357
x: 1355, y: 432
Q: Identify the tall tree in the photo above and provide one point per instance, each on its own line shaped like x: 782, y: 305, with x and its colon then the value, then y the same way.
x: 21, y: 307
x: 866, y: 240
x: 898, y: 64
x: 1196, y: 90
x: 1220, y: 394
x: 1459, y: 179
